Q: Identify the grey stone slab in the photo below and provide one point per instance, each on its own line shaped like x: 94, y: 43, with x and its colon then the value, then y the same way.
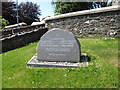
x: 33, y: 62
x: 58, y: 45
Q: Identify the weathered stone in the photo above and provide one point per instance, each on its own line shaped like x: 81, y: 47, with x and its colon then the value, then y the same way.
x: 103, y: 21
x: 87, y: 22
x: 58, y: 45
x: 19, y: 40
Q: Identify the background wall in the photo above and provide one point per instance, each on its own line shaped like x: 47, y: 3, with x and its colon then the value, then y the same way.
x: 101, y: 24
x: 16, y: 38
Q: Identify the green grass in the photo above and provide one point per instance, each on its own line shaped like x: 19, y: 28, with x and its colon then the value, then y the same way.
x: 102, y: 73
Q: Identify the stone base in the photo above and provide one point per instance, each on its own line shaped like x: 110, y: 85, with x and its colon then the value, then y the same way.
x: 36, y: 63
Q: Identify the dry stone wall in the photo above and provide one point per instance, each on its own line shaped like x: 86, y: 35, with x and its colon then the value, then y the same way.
x: 93, y: 23
x: 18, y: 37
x: 19, y: 30
x: 102, y: 22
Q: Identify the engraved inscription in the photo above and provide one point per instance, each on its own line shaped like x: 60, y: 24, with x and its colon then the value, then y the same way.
x: 58, y: 45
x: 52, y: 54
x: 58, y: 49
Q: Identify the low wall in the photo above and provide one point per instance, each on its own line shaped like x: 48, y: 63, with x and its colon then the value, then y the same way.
x: 101, y: 22
x: 19, y: 30
x: 17, y: 40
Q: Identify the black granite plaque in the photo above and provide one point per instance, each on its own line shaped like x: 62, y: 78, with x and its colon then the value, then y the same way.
x: 58, y: 45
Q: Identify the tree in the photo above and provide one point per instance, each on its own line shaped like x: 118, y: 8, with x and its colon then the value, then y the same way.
x: 8, y: 11
x: 3, y: 22
x: 67, y: 7
x: 28, y: 12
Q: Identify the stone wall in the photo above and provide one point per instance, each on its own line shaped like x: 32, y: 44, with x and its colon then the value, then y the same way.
x: 19, y: 30
x: 102, y: 22
x: 16, y: 38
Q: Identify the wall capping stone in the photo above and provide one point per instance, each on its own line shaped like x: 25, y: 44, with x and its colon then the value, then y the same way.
x: 92, y: 11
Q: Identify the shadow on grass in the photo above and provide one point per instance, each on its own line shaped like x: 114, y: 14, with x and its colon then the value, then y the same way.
x: 84, y: 58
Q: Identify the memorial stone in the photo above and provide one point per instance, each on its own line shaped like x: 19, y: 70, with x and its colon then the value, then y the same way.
x: 59, y: 46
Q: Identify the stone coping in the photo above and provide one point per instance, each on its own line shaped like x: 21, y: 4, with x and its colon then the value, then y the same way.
x: 33, y: 62
x: 92, y: 11
x: 15, y: 25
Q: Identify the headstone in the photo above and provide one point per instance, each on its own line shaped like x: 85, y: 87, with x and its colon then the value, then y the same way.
x: 59, y: 46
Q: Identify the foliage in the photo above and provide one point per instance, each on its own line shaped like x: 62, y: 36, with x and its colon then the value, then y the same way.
x: 3, y: 22
x: 29, y: 12
x: 8, y: 11
x: 66, y: 7
x: 102, y: 71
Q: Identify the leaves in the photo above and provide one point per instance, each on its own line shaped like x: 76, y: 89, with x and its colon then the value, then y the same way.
x: 8, y: 11
x: 29, y: 12
x: 4, y: 22
x: 66, y: 7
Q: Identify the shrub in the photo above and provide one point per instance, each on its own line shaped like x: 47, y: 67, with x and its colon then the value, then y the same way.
x: 3, y: 22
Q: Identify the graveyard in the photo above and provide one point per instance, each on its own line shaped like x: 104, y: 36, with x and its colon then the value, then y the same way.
x: 49, y: 55
x: 102, y: 71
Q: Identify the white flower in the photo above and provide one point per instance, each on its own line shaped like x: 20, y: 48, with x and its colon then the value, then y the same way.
x: 65, y: 75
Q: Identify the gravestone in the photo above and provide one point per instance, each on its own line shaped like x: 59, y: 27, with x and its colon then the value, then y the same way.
x: 59, y: 46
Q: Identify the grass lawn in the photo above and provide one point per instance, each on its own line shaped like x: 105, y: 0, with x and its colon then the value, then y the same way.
x: 102, y: 73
